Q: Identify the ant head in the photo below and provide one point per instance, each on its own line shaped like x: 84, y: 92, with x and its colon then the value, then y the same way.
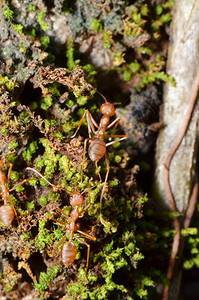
x: 76, y: 199
x: 107, y: 109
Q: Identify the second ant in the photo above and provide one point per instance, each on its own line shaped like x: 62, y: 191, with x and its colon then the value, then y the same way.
x: 7, y: 210
x: 97, y: 147
x: 69, y: 249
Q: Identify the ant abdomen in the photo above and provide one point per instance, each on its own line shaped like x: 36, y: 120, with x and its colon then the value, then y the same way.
x: 6, y: 214
x: 69, y: 252
x: 97, y: 149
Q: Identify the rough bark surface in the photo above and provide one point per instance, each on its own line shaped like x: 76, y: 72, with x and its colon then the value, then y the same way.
x: 183, y: 64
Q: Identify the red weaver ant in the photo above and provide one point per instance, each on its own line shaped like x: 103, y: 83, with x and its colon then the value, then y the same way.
x: 97, y: 147
x: 69, y: 249
x: 7, y: 210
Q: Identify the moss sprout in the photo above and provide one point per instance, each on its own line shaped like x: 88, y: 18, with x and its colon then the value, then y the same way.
x: 46, y: 278
x: 31, y: 149
x: 7, y: 12
x: 95, y: 25
x: 40, y: 20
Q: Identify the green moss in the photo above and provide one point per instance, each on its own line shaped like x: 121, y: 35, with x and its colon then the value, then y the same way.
x: 107, y: 37
x: 13, y: 144
x: 8, y: 83
x: 40, y: 20
x: 32, y: 32
x: 25, y: 117
x: 43, y: 200
x: 189, y: 231
x: 53, y: 196
x: 159, y: 9
x: 18, y: 28
x: 165, y: 18
x: 22, y: 47
x: 46, y: 278
x: 118, y: 159
x: 134, y: 67
x: 95, y: 25
x: 54, y: 90
x: 153, y: 77
x: 7, y: 12
x: 127, y: 75
x: 144, y: 10
x: 70, y: 53
x: 31, y: 7
x: 30, y: 150
x: 4, y: 131
x: 30, y: 205
x: 46, y: 103
x: 14, y: 175
x: 45, y: 41
x: 44, y: 238
x: 26, y: 236
x: 69, y: 103
x: 59, y: 135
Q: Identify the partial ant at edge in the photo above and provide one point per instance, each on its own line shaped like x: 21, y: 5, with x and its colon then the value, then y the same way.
x: 7, y: 210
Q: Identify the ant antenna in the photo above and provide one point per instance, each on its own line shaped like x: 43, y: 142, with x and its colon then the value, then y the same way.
x: 116, y: 103
x: 31, y: 169
x: 4, y: 155
x: 53, y: 185
x: 102, y: 96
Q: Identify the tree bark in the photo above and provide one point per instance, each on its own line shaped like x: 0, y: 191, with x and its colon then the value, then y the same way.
x: 183, y: 64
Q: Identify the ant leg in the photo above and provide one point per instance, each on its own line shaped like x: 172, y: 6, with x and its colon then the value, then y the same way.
x: 15, y: 212
x: 88, y: 254
x: 84, y: 153
x: 86, y: 235
x: 89, y: 202
x: 122, y: 137
x: 80, y: 124
x: 51, y: 254
x: 61, y: 210
x: 20, y: 183
x: 9, y: 172
x: 59, y: 222
x: 103, y: 189
x: 96, y: 165
x: 91, y: 123
x: 115, y: 122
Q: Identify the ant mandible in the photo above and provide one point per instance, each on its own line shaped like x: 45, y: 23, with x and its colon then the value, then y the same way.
x: 7, y: 210
x: 97, y: 147
x: 69, y: 249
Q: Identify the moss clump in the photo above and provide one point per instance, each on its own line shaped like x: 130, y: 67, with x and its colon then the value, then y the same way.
x: 44, y: 238
x: 18, y: 28
x: 30, y: 150
x: 95, y: 25
x: 40, y: 20
x: 7, y: 12
x: 46, y: 278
